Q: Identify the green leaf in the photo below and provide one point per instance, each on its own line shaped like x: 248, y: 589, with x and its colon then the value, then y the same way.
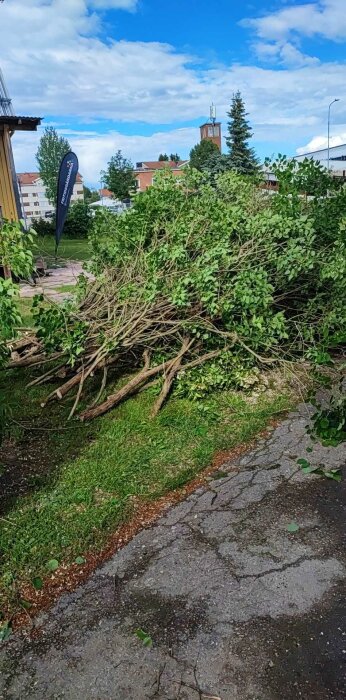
x: 52, y: 565
x: 307, y: 468
x: 144, y: 637
x: 293, y: 527
x: 309, y: 449
x: 25, y: 604
x: 334, y: 474
x: 37, y: 583
x: 5, y: 631
x: 303, y: 463
x: 79, y: 560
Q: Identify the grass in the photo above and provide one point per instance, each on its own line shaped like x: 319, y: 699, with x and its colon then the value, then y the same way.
x: 69, y: 249
x: 64, y: 288
x: 132, y: 456
x: 25, y: 304
x: 24, y: 308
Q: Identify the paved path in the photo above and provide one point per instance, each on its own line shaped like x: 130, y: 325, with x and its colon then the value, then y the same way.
x: 57, y: 277
x: 237, y: 607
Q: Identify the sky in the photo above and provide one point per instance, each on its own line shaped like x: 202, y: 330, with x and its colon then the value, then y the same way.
x: 140, y: 75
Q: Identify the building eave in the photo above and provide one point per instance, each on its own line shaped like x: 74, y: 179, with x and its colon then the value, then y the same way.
x: 20, y: 123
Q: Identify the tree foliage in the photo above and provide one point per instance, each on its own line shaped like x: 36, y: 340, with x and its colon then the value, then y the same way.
x: 204, y: 280
x: 307, y: 177
x: 16, y: 255
x: 50, y: 153
x: 241, y: 156
x: 119, y: 177
x: 175, y: 157
x: 163, y: 157
x: 77, y: 224
x: 90, y: 196
x: 78, y: 221
x: 202, y: 154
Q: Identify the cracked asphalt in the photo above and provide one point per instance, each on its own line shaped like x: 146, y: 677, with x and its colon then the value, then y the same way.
x: 238, y: 608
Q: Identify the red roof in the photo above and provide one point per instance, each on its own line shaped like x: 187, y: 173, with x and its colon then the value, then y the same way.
x: 105, y: 193
x: 30, y: 178
x: 161, y: 164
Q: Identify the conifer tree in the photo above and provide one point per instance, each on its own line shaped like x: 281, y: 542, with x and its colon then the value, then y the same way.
x: 241, y: 156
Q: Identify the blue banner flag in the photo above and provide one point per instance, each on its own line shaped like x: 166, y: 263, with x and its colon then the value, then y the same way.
x: 66, y: 180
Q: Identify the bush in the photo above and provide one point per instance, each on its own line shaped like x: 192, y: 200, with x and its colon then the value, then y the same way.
x: 43, y: 227
x: 77, y: 225
x: 215, y: 271
x: 78, y: 221
x: 16, y: 255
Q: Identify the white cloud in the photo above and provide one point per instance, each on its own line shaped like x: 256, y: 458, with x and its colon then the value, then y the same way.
x: 58, y: 64
x: 326, y: 18
x: 285, y: 52
x: 319, y: 142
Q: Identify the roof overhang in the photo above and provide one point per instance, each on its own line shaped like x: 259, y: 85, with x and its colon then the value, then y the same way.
x: 20, y: 123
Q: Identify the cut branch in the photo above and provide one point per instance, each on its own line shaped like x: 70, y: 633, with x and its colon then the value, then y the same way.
x: 171, y: 374
x: 130, y: 388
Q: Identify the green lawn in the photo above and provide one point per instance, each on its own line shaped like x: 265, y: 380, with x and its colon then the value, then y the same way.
x: 24, y: 307
x: 131, y: 456
x: 25, y: 304
x: 69, y: 249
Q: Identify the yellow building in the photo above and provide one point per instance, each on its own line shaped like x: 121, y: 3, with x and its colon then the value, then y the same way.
x: 10, y: 207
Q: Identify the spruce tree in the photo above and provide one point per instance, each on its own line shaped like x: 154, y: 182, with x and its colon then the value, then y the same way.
x: 241, y: 156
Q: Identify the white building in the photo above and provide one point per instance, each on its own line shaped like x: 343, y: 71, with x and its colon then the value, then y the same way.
x: 337, y: 159
x: 35, y: 204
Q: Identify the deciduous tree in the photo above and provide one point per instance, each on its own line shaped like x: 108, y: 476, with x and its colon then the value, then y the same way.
x: 202, y: 153
x: 50, y: 153
x: 119, y: 177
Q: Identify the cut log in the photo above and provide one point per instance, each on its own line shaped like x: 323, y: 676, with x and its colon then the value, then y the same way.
x: 130, y: 388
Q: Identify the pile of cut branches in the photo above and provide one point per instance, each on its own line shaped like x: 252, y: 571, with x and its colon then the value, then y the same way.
x: 194, y: 271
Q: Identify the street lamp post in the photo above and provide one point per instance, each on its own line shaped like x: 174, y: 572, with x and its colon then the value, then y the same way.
x: 336, y: 100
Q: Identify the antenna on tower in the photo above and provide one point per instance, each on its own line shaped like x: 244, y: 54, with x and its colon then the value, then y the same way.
x: 6, y: 109
x: 212, y: 113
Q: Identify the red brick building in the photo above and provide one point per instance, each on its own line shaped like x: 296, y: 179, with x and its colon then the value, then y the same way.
x: 145, y: 171
x: 211, y: 131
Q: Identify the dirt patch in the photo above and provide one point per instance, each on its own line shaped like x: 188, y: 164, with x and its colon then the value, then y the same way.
x: 30, y: 462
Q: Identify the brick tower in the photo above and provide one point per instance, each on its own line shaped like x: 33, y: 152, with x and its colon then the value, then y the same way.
x: 211, y: 130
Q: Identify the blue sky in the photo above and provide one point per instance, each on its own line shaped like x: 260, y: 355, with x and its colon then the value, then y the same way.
x: 140, y: 74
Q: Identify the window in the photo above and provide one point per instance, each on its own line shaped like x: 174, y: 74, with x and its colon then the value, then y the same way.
x: 79, y: 192
x: 36, y: 204
x: 213, y: 131
x: 29, y: 213
x: 34, y: 194
x: 25, y: 194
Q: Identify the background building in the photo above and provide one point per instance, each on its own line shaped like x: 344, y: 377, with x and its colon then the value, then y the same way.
x: 145, y: 171
x: 211, y: 131
x: 35, y: 204
x: 337, y: 159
